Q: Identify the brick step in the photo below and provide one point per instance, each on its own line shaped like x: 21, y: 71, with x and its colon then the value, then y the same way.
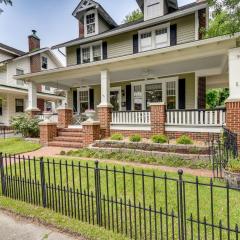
x: 65, y: 144
x: 70, y: 134
x: 70, y: 130
x: 68, y: 139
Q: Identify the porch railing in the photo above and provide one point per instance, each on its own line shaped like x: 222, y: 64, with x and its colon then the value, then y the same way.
x: 51, y: 117
x: 129, y: 118
x: 197, y: 117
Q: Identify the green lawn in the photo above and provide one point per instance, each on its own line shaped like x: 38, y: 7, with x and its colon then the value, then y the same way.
x: 84, y: 182
x: 17, y: 146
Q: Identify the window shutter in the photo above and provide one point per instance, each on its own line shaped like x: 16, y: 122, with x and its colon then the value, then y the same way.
x: 74, y: 101
x: 135, y: 43
x: 173, y: 35
x: 91, y: 96
x: 78, y: 51
x: 104, y: 50
x: 201, y: 92
x: 182, y: 94
x: 128, y: 97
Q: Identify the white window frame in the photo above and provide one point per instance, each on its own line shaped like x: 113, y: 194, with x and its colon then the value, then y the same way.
x: 18, y: 81
x: 82, y: 89
x: 118, y: 89
x: 155, y: 81
x: 153, y: 31
x: 99, y: 43
x: 96, y: 23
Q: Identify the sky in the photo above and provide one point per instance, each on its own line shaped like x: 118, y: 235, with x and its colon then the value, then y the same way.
x: 52, y: 19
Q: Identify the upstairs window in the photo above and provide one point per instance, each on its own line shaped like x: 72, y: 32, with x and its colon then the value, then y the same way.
x: 146, y: 41
x: 92, y: 53
x: 44, y: 63
x: 86, y: 55
x: 96, y: 50
x: 161, y: 37
x: 19, y: 72
x: 91, y: 23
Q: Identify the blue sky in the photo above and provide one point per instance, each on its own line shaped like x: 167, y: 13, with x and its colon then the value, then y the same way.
x: 52, y: 19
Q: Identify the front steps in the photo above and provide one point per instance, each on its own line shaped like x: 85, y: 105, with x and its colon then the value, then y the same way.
x: 69, y: 138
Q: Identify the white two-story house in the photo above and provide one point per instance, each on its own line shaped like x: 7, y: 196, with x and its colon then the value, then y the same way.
x: 14, y: 93
x: 162, y: 58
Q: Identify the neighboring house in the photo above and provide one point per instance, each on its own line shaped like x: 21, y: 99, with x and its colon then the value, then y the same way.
x: 14, y: 93
x: 134, y: 66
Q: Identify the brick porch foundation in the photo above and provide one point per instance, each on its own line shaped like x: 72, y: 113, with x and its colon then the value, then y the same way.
x: 65, y: 116
x: 48, y: 131
x: 105, y: 119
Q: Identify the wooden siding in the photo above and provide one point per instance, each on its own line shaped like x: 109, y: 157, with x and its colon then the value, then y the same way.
x: 72, y: 55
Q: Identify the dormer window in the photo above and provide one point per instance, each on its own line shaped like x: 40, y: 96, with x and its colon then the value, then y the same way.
x: 90, y: 22
x: 44, y: 63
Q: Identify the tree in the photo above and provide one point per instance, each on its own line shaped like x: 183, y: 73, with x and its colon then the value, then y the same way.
x: 133, y: 16
x: 7, y: 2
x: 217, y: 97
x: 226, y: 17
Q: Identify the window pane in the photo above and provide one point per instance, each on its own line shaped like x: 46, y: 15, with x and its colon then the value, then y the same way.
x: 83, y: 95
x: 171, y: 95
x: 19, y: 105
x: 19, y: 72
x: 153, y: 93
x: 161, y: 37
x: 86, y: 55
x: 44, y: 63
x: 97, y: 53
x: 146, y: 41
x: 90, y: 23
x: 137, y: 98
x: 83, y: 107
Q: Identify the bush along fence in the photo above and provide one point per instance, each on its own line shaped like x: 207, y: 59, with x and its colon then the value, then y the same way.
x: 140, y: 205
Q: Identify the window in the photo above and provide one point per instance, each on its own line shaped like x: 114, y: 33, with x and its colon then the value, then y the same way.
x: 96, y: 50
x: 19, y: 72
x: 84, y: 100
x: 47, y: 88
x: 137, y: 98
x: 171, y: 95
x: 154, y: 93
x: 19, y: 103
x: 1, y: 107
x: 90, y: 23
x: 92, y: 53
x: 86, y: 55
x: 44, y: 63
x: 48, y: 106
x: 156, y: 37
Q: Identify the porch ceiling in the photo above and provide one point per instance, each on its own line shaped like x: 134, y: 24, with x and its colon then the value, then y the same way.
x: 208, y: 59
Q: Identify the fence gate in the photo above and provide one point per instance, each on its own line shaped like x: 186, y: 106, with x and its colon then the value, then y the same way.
x: 221, y: 149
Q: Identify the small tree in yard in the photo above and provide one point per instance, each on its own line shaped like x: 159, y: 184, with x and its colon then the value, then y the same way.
x: 7, y: 2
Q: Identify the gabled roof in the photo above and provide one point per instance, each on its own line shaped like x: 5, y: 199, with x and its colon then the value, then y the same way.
x: 173, y: 4
x: 90, y: 4
x: 11, y: 50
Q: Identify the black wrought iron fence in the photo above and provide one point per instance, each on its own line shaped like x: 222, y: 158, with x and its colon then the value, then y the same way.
x: 4, y: 130
x: 138, y: 204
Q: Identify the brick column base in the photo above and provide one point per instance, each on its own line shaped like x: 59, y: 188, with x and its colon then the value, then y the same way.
x: 65, y: 116
x: 233, y: 117
x: 48, y: 131
x: 158, y: 118
x: 91, y: 132
x: 105, y: 119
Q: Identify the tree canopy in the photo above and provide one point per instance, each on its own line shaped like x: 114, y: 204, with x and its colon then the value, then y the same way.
x: 217, y: 97
x: 133, y: 16
x: 7, y: 2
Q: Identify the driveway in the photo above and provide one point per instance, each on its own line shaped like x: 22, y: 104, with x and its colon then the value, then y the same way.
x: 12, y: 228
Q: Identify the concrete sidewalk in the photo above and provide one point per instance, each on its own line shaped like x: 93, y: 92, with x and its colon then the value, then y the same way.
x: 12, y: 228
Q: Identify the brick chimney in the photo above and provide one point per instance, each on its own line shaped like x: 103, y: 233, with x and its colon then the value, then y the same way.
x: 34, y: 44
x: 81, y: 29
x: 33, y: 41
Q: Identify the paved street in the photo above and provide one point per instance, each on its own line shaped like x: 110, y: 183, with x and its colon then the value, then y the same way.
x: 18, y: 229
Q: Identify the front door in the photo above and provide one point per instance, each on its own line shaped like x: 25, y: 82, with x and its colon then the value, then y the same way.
x: 115, y: 98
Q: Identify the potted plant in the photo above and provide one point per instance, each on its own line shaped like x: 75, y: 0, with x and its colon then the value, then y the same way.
x: 232, y: 173
x: 90, y: 114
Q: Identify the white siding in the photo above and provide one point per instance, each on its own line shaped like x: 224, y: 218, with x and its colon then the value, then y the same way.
x: 103, y: 27
x: 5, y: 56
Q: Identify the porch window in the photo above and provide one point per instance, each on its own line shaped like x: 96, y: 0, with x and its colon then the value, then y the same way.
x: 86, y: 55
x: 154, y: 93
x: 90, y: 23
x: 19, y: 103
x: 137, y: 98
x: 146, y: 41
x: 1, y: 107
x: 48, y: 106
x: 19, y: 72
x: 96, y: 50
x: 84, y: 100
x: 171, y: 95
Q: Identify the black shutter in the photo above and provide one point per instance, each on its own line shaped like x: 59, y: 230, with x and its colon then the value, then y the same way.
x: 104, y: 50
x: 182, y: 93
x: 78, y: 52
x: 91, y: 98
x: 128, y: 97
x: 135, y: 43
x: 201, y: 92
x: 173, y: 35
x: 75, y: 101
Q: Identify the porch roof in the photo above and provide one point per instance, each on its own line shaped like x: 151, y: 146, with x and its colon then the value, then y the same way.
x: 197, y: 56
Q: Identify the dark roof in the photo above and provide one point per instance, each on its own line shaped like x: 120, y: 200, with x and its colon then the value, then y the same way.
x: 125, y: 25
x: 11, y: 49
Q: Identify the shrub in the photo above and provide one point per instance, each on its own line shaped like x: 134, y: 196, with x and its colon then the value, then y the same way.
x: 117, y: 137
x: 135, y: 138
x: 159, y: 139
x: 25, y: 125
x: 233, y: 165
x: 62, y: 153
x: 184, y: 139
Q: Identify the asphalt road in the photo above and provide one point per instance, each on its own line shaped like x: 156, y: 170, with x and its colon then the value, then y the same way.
x: 12, y: 228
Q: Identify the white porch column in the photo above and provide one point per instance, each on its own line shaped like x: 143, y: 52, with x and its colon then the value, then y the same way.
x: 32, y: 97
x: 234, y: 73
x: 105, y: 89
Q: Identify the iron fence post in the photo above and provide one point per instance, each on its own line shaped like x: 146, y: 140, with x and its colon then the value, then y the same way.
x: 2, y: 174
x: 98, y: 193
x: 181, y: 205
x: 43, y: 183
